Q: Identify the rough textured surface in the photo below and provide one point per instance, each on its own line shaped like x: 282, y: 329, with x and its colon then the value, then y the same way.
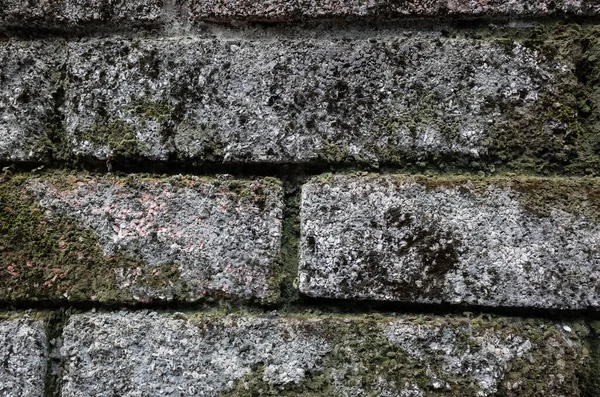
x: 29, y: 78
x: 138, y: 352
x: 73, y: 13
x: 495, y: 242
x: 132, y: 353
x: 522, y: 7
x: 69, y: 14
x: 105, y: 238
x: 24, y: 354
x: 278, y: 10
x: 323, y: 100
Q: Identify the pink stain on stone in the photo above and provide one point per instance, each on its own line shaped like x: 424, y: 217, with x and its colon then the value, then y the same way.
x: 219, y: 240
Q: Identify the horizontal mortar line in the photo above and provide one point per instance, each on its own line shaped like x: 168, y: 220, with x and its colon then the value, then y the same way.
x: 279, y: 170
x: 317, y: 307
x: 270, y: 30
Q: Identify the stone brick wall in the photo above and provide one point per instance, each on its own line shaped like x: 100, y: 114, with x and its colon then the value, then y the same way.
x: 300, y: 198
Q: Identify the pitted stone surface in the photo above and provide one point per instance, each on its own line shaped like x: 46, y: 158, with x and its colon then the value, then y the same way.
x: 402, y: 239
x: 283, y: 10
x: 446, y: 344
x: 523, y: 8
x: 69, y: 14
x: 212, y: 237
x: 29, y: 77
x: 133, y: 353
x: 24, y: 354
x: 129, y: 353
x: 321, y: 100
x: 52, y: 14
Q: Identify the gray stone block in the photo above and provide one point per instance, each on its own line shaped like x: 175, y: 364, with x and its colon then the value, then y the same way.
x: 286, y: 10
x: 492, y: 242
x: 81, y: 238
x: 30, y: 77
x: 24, y: 356
x: 393, y: 100
x: 139, y: 353
x: 68, y: 14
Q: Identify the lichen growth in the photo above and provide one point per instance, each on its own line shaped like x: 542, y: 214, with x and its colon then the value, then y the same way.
x: 365, y: 362
x: 538, y: 195
x: 524, y: 144
x: 116, y: 135
x: 51, y: 258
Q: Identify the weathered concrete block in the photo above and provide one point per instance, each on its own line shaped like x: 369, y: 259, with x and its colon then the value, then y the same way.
x: 53, y: 14
x: 527, y: 8
x: 493, y: 242
x: 395, y: 100
x: 29, y: 77
x: 80, y: 238
x: 201, y: 355
x: 285, y: 10
x: 24, y: 354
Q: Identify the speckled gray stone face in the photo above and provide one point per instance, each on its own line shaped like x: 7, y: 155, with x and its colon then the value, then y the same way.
x: 299, y: 9
x: 522, y: 7
x: 445, y: 344
x: 60, y: 14
x: 29, y: 76
x: 391, y: 238
x: 222, y: 236
x: 279, y: 100
x: 24, y: 354
x: 133, y: 354
x: 73, y: 13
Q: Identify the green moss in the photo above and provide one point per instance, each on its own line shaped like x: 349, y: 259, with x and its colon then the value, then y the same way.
x: 117, y: 135
x: 120, y: 136
x: 539, y: 195
x: 558, y: 133
x: 253, y: 385
x: 591, y: 383
x: 53, y: 258
x: 148, y: 109
x: 325, y: 178
x: 524, y: 144
x: 54, y: 332
x: 365, y: 362
x: 359, y: 350
x: 528, y: 375
x: 34, y: 315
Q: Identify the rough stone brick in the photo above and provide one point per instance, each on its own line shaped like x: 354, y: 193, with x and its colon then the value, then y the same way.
x: 81, y: 238
x: 527, y: 8
x: 53, y: 14
x: 493, y: 242
x: 129, y: 353
x: 29, y: 79
x: 24, y: 354
x: 394, y: 100
x: 285, y: 10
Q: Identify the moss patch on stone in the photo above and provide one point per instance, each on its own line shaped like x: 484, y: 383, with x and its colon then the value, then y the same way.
x: 539, y: 195
x: 528, y: 375
x: 558, y: 134
x: 523, y: 144
x: 118, y: 136
x: 363, y: 361
x: 52, y: 258
x: 591, y: 383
